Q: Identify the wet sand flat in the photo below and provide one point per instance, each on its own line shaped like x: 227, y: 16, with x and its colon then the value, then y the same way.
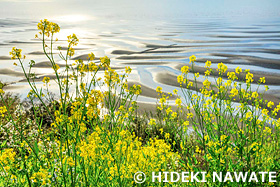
x: 155, y: 52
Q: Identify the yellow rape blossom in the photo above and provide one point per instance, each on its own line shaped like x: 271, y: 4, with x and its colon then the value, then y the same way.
x: 178, y: 102
x: 206, y: 83
x: 72, y: 39
x: 270, y: 104
x: 16, y: 53
x: 159, y: 89
x: 234, y: 92
x: 222, y: 68
x: 238, y: 70
x: 192, y: 58
x: 185, y: 69
x: 207, y: 64
x: 180, y: 79
x: 152, y: 121
x: 105, y: 61
x: 91, y: 56
x: 262, y: 80
x: 255, y: 95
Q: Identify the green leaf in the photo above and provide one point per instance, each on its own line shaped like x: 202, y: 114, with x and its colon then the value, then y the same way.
x: 36, y: 149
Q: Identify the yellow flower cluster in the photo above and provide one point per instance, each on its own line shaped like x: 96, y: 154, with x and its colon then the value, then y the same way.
x: 192, y: 58
x: 206, y: 83
x: 3, y: 110
x: 7, y: 156
x: 127, y: 155
x: 232, y: 76
x: 185, y: 69
x: 238, y: 70
x: 178, y: 102
x: 262, y: 80
x: 71, y: 51
x: 91, y: 56
x: 105, y: 61
x: 42, y: 177
x: 128, y: 70
x: 46, y: 80
x: 47, y: 28
x: 152, y: 121
x: 159, y: 89
x: 111, y: 77
x: 136, y: 89
x: 180, y: 79
x: 72, y: 40
x: 95, y: 98
x: 16, y: 53
x: 208, y: 64
x: 222, y: 68
x: 249, y: 77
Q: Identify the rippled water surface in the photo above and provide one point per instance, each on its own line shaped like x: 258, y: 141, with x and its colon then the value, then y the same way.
x: 155, y: 44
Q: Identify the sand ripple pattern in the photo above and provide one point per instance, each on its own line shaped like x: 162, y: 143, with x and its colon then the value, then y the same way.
x: 154, y: 50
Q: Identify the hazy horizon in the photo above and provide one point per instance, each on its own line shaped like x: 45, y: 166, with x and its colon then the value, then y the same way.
x: 141, y: 9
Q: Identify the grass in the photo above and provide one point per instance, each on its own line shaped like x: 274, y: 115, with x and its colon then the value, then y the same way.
x: 93, y: 136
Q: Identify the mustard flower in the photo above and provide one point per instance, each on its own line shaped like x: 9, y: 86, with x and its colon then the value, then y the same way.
x: 262, y: 80
x: 180, y: 79
x: 162, y: 100
x: 264, y: 111
x: 7, y: 155
x: 255, y: 95
x: 178, y: 102
x: 206, y: 83
x: 223, y: 137
x: 207, y: 73
x: 185, y: 69
x: 189, y: 115
x: 46, y: 27
x: 232, y: 76
x: 16, y: 53
x: 249, y: 77
x: 197, y: 150
x: 222, y: 68
x: 91, y: 56
x: 159, y: 89
x: 207, y: 64
x: 219, y: 80
x: 152, y: 121
x: 238, y: 70
x: 270, y: 104
x: 127, y: 70
x: 234, y: 92
x: 71, y: 51
x: 3, y: 110
x: 46, y: 80
x: 168, y: 110
x: 161, y: 130
x: 72, y: 39
x: 174, y: 115
x: 208, y: 102
x: 167, y: 135
x: 192, y: 58
x: 248, y: 115
x: 105, y: 61
x: 186, y: 123
x: 266, y: 87
x: 56, y: 67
